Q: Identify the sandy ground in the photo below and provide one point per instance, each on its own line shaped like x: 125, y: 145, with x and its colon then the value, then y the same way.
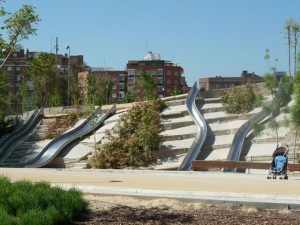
x: 129, y: 210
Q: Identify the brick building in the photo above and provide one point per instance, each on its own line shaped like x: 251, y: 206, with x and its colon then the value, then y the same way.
x: 118, y: 77
x: 167, y: 75
x: 17, y: 63
x: 217, y: 82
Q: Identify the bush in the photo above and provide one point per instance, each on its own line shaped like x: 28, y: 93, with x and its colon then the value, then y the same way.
x: 135, y: 141
x: 23, y: 203
x: 61, y: 124
x: 239, y: 99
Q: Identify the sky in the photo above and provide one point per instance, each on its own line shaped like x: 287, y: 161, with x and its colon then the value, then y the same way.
x: 206, y: 37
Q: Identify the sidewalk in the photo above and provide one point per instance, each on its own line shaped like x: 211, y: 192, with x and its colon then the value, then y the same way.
x: 207, y: 187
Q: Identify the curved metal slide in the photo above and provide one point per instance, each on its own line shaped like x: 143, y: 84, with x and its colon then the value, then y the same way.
x: 22, y: 133
x: 201, y: 129
x: 239, y: 138
x: 57, y: 145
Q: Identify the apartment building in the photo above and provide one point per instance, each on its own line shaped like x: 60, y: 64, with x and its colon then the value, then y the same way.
x: 168, y: 75
x: 217, y: 82
x: 119, y: 78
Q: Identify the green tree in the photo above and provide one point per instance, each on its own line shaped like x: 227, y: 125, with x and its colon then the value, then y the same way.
x: 46, y: 80
x: 280, y: 91
x: 267, y: 57
x: 19, y: 26
x: 149, y: 86
x: 24, y: 93
x: 129, y: 97
x: 175, y: 91
x: 296, y: 33
x: 4, y: 95
x: 288, y: 30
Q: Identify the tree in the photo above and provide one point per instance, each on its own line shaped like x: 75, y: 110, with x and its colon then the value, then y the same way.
x: 296, y: 33
x: 48, y: 86
x: 149, y: 86
x: 267, y: 57
x: 280, y: 92
x: 175, y: 91
x: 4, y: 95
x: 288, y: 29
x: 129, y: 97
x: 19, y: 26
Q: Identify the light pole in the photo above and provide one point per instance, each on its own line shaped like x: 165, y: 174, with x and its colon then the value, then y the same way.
x: 69, y: 72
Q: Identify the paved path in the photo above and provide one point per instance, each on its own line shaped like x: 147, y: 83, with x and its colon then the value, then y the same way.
x: 213, y: 187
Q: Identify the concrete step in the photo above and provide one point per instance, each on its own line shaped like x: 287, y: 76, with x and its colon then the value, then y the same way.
x: 174, y: 125
x: 212, y: 100
x: 179, y: 133
x: 175, y: 114
x: 172, y: 148
x: 217, y: 154
x: 211, y: 110
x: 177, y: 137
x: 176, y: 102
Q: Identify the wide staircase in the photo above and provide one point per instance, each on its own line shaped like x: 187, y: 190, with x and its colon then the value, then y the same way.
x: 32, y: 145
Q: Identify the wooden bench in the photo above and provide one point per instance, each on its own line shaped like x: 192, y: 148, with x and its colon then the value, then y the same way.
x: 209, y: 164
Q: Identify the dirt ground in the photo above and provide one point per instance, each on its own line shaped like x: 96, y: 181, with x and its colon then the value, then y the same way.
x: 130, y: 210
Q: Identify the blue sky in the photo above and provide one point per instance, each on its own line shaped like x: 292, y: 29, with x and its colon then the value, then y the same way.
x: 206, y: 37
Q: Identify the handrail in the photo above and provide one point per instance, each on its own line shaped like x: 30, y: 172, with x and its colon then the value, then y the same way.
x: 19, y: 135
x: 53, y: 148
x: 201, y: 129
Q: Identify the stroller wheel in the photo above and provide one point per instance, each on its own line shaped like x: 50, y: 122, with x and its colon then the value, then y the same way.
x: 274, y: 177
x: 268, y: 177
x: 286, y: 177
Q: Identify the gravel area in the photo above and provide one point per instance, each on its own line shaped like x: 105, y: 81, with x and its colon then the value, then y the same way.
x: 129, y: 210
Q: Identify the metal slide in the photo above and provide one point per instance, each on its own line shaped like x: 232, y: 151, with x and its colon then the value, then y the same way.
x: 239, y: 137
x: 22, y: 133
x: 238, y: 140
x: 57, y: 145
x: 201, y: 129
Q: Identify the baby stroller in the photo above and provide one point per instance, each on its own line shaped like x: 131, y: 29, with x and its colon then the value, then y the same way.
x: 279, y: 164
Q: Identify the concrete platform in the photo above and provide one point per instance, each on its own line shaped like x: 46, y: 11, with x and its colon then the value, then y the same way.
x: 207, y: 187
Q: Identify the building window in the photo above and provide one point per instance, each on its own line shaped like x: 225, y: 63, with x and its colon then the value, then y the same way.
x: 177, y: 74
x: 114, y: 87
x: 121, y: 86
x: 169, y: 72
x: 160, y: 81
x: 121, y: 95
x: 114, y: 96
x: 169, y: 81
x: 17, y: 68
x: 153, y: 72
x: 159, y: 72
x: 131, y: 72
x: 160, y: 90
x: 9, y: 68
x: 15, y: 55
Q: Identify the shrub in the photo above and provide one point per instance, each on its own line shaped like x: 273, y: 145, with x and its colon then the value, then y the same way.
x: 136, y: 139
x: 61, y: 124
x: 239, y: 99
x: 23, y: 203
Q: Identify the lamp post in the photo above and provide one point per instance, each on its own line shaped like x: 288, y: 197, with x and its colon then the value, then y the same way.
x: 69, y: 72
